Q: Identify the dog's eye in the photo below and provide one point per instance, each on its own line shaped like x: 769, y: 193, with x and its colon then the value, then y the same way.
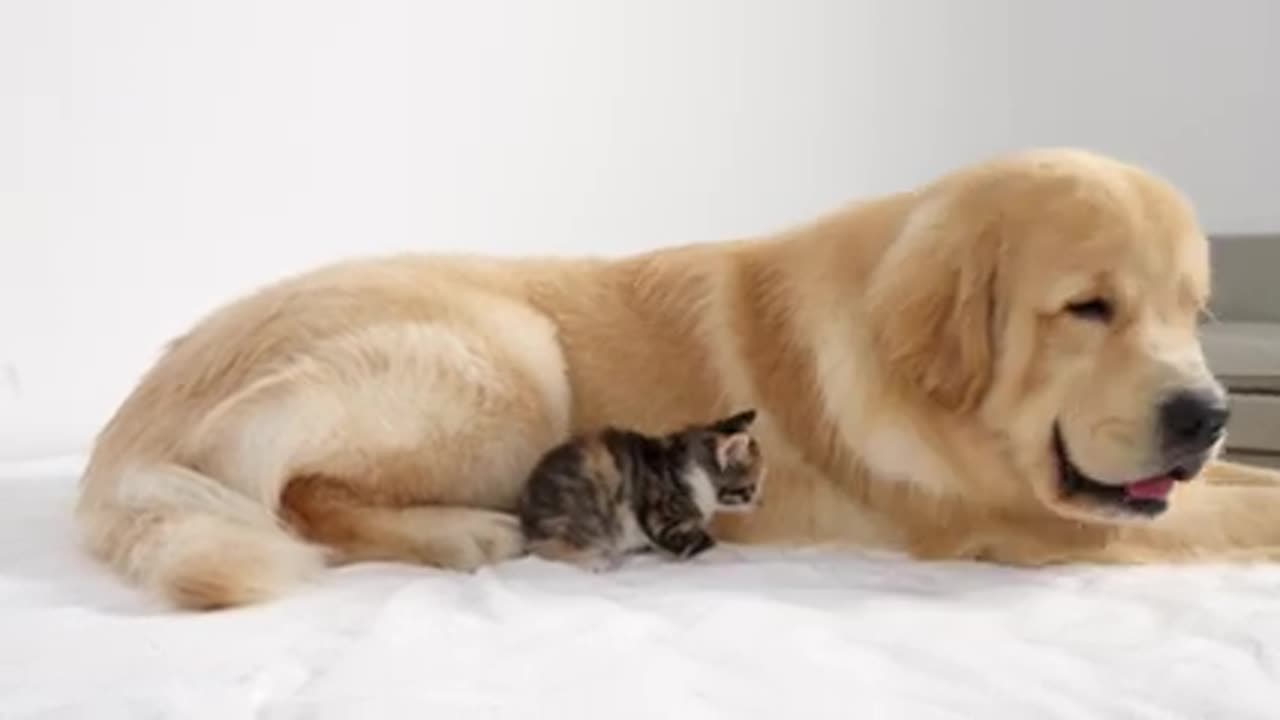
x: 1093, y: 309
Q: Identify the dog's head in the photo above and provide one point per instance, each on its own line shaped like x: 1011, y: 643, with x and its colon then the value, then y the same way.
x: 1054, y: 296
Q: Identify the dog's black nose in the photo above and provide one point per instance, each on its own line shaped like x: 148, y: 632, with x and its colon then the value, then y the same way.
x: 1193, y: 420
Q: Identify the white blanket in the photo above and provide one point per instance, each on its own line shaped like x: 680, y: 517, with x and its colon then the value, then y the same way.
x: 737, y: 634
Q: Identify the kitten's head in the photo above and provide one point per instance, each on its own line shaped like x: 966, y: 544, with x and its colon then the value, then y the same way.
x: 737, y: 467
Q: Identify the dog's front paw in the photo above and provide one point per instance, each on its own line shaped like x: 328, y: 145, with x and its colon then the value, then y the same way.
x: 487, y: 539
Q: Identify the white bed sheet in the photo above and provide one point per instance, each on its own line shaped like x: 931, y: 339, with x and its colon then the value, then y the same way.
x: 812, y: 634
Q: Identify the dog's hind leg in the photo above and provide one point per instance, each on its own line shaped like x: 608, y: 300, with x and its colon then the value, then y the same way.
x: 401, y: 443
x: 410, y: 443
x: 445, y: 536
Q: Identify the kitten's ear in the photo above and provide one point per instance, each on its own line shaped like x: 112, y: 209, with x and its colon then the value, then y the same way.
x: 735, y: 423
x: 733, y: 450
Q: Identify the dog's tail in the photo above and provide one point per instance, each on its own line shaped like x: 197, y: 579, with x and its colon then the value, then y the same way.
x: 192, y: 540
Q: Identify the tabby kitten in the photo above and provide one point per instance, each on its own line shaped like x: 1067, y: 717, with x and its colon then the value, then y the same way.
x: 603, y: 495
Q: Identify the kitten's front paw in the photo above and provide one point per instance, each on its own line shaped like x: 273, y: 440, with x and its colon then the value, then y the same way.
x: 697, y: 544
x: 601, y: 564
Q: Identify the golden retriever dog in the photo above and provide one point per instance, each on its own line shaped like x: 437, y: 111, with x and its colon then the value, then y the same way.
x: 1000, y: 365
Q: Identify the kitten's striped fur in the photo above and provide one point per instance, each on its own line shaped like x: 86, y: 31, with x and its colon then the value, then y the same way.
x: 600, y: 496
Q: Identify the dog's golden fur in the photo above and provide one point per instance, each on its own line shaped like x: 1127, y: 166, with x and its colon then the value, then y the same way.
x: 910, y: 357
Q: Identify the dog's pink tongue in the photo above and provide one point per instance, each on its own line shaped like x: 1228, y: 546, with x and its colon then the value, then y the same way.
x: 1156, y: 488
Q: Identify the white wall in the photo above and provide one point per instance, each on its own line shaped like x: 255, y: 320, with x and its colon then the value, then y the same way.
x: 159, y: 156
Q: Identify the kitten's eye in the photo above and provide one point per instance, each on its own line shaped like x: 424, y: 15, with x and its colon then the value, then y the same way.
x: 1095, y: 309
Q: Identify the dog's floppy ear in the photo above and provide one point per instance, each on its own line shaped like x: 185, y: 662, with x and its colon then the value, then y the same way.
x: 930, y: 305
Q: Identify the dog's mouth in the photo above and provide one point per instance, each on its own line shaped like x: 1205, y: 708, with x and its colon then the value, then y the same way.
x: 1145, y: 497
x: 734, y: 498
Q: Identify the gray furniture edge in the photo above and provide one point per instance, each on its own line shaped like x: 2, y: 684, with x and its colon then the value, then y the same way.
x: 1246, y: 277
x: 1243, y: 341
